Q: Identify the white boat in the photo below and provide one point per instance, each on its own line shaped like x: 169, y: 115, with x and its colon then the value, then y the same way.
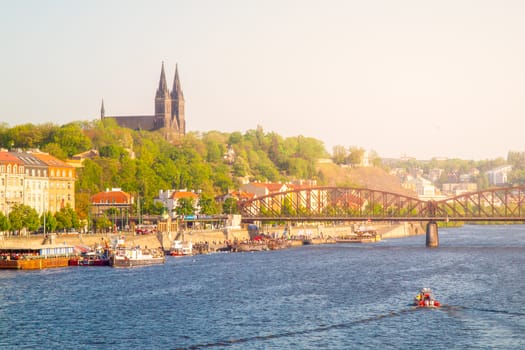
x: 129, y: 257
x: 180, y: 248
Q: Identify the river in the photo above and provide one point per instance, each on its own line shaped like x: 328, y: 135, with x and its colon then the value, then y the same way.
x: 338, y: 296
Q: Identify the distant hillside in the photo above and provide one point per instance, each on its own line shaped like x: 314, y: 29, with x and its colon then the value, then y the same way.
x: 373, y: 178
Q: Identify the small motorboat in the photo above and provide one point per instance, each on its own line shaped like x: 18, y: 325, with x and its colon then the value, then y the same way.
x: 425, y: 298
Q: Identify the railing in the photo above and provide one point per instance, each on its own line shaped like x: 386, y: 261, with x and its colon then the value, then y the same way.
x: 357, y: 204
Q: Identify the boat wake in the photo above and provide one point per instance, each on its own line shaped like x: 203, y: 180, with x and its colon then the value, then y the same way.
x: 321, y: 328
x: 346, y: 325
x: 501, y: 312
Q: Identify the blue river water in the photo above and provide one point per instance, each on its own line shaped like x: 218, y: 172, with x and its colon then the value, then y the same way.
x: 338, y: 296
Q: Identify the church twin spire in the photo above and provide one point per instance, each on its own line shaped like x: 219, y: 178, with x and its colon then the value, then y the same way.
x: 169, y: 110
x: 176, y: 92
x: 162, y: 91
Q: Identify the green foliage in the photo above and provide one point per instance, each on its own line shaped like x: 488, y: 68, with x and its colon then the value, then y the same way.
x: 185, y: 206
x: 4, y: 222
x: 230, y: 206
x: 102, y: 223
x: 339, y: 154
x: 71, y: 139
x: 287, y: 208
x: 23, y: 216
x: 207, y: 205
x: 50, y: 222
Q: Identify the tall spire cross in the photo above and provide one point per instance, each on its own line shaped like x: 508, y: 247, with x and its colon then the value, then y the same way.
x: 163, y: 85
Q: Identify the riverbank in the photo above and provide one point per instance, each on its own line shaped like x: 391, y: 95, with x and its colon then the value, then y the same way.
x: 215, y: 240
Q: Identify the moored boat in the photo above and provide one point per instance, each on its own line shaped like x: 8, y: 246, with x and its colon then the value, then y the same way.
x: 255, y: 246
x: 130, y: 257
x: 93, y: 258
x: 425, y: 298
x: 180, y: 248
x: 35, y: 258
x: 360, y: 237
x: 275, y: 244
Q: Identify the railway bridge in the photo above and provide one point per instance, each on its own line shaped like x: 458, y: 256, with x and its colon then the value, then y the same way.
x: 500, y: 204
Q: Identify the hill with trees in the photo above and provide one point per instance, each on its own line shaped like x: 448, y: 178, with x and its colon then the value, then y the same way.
x: 213, y: 162
x: 142, y: 162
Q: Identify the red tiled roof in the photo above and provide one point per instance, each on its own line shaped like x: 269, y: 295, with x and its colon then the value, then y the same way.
x: 111, y: 197
x: 272, y: 187
x: 50, y: 160
x: 184, y: 194
x: 9, y: 158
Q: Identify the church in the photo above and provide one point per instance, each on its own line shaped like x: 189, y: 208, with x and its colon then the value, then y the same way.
x: 169, y: 111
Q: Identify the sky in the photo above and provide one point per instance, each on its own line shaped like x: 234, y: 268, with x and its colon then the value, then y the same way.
x: 416, y: 78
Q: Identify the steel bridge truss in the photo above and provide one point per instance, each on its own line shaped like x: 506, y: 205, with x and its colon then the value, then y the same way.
x: 359, y: 203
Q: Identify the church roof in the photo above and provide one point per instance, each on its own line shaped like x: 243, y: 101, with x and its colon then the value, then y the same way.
x: 135, y: 122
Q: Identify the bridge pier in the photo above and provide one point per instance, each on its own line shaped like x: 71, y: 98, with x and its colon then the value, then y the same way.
x: 432, y: 235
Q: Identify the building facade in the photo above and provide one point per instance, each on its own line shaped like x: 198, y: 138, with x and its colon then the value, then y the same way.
x: 11, y: 182
x: 61, y: 176
x: 116, y: 204
x: 169, y: 114
x: 36, y: 182
x: 170, y: 200
x: 35, y: 179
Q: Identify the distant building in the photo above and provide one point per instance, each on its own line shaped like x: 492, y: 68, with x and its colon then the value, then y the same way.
x: 169, y: 111
x: 36, y: 182
x: 35, y: 179
x: 170, y: 200
x: 459, y: 188
x: 77, y: 161
x: 498, y: 176
x: 115, y: 204
x: 11, y: 182
x: 259, y: 189
x: 61, y: 192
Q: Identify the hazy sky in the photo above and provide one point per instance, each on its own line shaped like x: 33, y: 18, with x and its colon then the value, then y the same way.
x: 404, y: 77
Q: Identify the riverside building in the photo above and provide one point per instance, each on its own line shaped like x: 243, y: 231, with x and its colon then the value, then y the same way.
x: 35, y: 179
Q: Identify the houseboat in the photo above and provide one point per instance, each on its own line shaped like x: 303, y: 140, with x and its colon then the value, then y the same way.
x: 130, y: 257
x: 36, y: 258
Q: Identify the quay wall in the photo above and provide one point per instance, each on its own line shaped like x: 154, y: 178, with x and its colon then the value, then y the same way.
x: 215, y: 238
x: 89, y: 240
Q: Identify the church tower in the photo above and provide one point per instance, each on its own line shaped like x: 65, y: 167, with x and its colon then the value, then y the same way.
x: 169, y: 115
x: 177, y: 106
x: 162, y: 103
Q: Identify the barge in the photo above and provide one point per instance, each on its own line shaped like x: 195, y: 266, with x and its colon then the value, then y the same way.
x: 36, y: 258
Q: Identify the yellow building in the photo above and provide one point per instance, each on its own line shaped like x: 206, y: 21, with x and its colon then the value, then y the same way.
x: 61, y: 192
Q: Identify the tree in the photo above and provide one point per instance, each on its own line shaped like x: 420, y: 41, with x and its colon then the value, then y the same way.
x: 71, y: 139
x: 355, y: 156
x: 23, y: 216
x: 207, y: 205
x: 63, y: 220
x: 4, y: 222
x: 102, y: 223
x: 185, y: 206
x: 339, y: 154
x: 230, y: 206
x: 49, y: 223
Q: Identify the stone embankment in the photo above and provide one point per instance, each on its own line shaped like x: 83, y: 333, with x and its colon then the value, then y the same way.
x: 214, y: 239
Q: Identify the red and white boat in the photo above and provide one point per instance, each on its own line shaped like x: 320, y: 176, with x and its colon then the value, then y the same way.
x: 425, y: 298
x: 179, y: 248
